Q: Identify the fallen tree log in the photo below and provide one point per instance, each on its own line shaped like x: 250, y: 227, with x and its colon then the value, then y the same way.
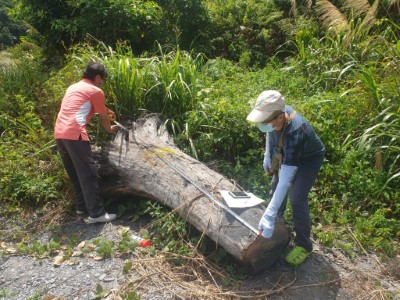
x: 144, y: 161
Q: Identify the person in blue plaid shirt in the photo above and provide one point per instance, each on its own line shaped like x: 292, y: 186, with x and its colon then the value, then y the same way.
x: 293, y: 162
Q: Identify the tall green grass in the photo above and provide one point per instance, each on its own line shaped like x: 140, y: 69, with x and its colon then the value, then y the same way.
x: 18, y: 80
x: 381, y: 85
x: 127, y: 84
x: 30, y: 169
x: 177, y: 80
x: 164, y: 82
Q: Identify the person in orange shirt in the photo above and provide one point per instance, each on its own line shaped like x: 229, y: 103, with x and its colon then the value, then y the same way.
x: 81, y: 101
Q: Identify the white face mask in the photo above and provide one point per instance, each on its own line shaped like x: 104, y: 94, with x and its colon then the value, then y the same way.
x: 265, y: 127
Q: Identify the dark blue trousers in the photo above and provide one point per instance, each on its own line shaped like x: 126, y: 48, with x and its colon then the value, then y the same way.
x: 298, y: 194
x: 78, y: 160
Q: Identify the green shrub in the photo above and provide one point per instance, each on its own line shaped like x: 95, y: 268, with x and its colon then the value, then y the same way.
x: 169, y: 232
x: 245, y: 31
x: 185, y: 22
x: 30, y: 174
x: 110, y: 21
x: 18, y: 81
x: 378, y: 231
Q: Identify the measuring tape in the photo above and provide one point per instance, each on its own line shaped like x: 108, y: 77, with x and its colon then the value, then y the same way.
x: 121, y: 126
x: 209, y: 195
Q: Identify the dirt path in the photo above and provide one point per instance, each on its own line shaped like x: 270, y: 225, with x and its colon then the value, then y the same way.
x: 147, y: 274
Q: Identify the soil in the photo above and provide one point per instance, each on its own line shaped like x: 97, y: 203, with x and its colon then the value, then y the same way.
x: 150, y: 273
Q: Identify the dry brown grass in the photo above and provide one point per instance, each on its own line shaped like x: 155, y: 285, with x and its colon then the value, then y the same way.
x: 193, y: 278
x: 5, y: 58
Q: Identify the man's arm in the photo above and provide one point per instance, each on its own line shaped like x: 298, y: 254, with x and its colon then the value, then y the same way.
x: 105, y: 122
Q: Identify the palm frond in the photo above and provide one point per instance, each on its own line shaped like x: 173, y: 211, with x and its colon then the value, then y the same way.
x: 293, y: 6
x: 395, y: 4
x: 358, y: 8
x: 293, y: 9
x: 331, y: 16
x: 370, y: 18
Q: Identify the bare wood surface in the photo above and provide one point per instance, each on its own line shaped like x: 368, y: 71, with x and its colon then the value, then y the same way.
x: 145, y: 161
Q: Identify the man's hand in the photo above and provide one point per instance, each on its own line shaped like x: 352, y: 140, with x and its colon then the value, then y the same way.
x: 105, y: 122
x: 111, y: 115
x: 114, y: 128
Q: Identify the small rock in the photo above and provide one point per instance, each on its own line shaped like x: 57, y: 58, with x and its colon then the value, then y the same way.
x: 121, y: 280
x: 108, y: 279
x: 51, y: 280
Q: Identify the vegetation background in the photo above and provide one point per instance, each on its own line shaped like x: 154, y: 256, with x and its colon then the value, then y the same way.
x: 202, y: 64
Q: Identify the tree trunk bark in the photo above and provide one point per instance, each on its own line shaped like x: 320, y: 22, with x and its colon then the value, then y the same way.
x: 144, y: 161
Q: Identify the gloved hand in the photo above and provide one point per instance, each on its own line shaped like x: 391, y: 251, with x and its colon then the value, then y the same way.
x: 267, y: 223
x: 266, y: 226
x: 267, y: 162
x: 267, y: 155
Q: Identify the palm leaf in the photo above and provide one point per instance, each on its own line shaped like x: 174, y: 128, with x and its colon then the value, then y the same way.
x: 331, y: 16
x: 369, y: 19
x: 358, y: 8
x: 394, y: 4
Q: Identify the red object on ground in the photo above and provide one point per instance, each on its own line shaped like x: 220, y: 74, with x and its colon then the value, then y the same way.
x: 142, y: 242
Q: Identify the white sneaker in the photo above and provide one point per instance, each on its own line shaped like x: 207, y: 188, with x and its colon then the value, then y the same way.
x: 102, y: 219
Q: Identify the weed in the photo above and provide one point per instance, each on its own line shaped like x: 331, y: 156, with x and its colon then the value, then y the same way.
x: 36, y: 296
x: 132, y: 295
x: 100, y: 292
x: 3, y: 293
x: 104, y: 247
x: 126, y: 243
x: 127, y: 267
x: 169, y: 231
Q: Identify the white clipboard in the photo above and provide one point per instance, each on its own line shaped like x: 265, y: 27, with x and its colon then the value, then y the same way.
x: 240, y: 202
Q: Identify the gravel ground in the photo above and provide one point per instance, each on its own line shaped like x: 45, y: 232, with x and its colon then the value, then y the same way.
x: 325, y: 275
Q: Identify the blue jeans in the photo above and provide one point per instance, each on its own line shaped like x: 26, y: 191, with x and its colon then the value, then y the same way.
x: 298, y: 194
x: 79, y: 163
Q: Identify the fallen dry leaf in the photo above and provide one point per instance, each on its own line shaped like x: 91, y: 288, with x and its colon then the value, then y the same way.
x: 91, y: 247
x: 58, y: 260
x: 123, y: 229
x: 11, y: 250
x: 76, y: 253
x: 71, y: 262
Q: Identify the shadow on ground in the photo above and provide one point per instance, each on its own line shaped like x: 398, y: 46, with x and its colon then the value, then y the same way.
x: 314, y: 279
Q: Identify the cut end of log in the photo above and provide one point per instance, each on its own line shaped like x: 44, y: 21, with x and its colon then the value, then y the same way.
x: 263, y: 253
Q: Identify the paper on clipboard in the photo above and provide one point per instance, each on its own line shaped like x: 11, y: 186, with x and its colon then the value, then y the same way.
x: 240, y: 202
